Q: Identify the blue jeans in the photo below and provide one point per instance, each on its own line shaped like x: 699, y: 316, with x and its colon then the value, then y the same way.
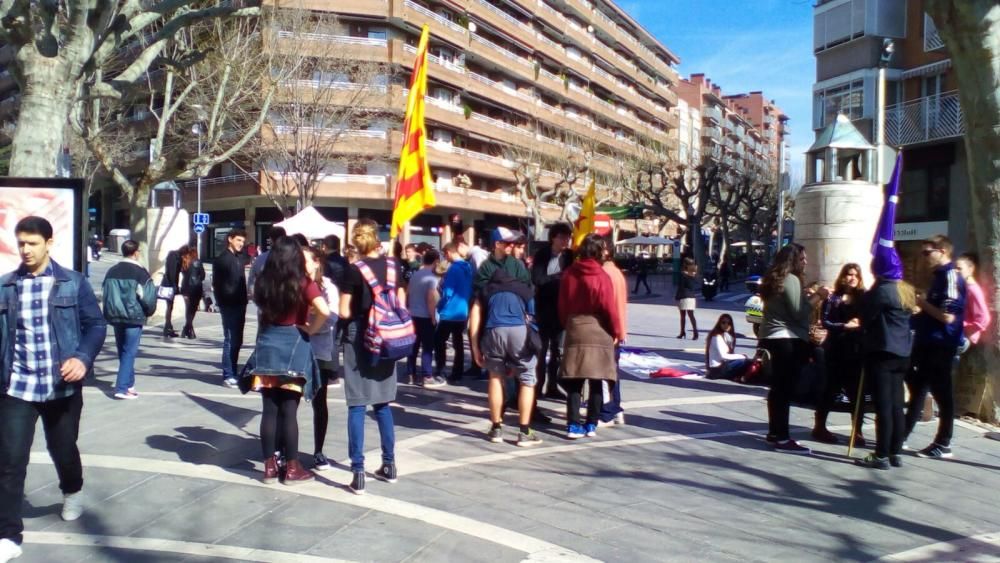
x: 233, y: 319
x: 356, y: 434
x: 611, y: 409
x: 424, y: 347
x: 127, y: 340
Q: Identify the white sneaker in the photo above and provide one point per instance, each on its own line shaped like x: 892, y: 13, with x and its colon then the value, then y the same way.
x: 9, y: 550
x: 126, y: 396
x: 230, y: 382
x: 72, y: 506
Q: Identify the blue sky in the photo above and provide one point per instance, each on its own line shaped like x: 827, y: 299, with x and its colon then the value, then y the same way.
x: 743, y: 45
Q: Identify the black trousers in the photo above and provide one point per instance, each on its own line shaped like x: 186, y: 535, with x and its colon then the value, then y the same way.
x: 788, y: 355
x: 549, y: 359
x: 454, y: 331
x: 61, y: 423
x: 168, y: 325
x: 931, y: 371
x: 191, y: 304
x: 843, y: 372
x: 641, y: 278
x: 886, y: 372
x: 278, y: 423
x: 574, y: 392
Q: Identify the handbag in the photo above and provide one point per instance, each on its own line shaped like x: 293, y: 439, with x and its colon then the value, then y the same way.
x: 817, y: 334
x: 165, y: 292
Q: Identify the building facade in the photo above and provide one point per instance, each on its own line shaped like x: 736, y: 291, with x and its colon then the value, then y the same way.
x: 923, y: 117
x: 743, y: 131
x: 558, y: 79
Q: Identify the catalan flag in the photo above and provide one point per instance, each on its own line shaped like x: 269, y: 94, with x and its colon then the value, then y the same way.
x: 414, y: 188
x: 585, y: 222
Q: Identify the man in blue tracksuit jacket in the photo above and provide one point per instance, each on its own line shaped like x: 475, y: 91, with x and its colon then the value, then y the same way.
x: 937, y: 333
x: 453, y: 311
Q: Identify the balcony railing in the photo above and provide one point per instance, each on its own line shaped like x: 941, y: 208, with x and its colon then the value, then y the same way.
x: 436, y: 17
x: 501, y: 86
x: 924, y: 119
x: 341, y: 39
x: 505, y: 15
x: 220, y: 179
x: 932, y: 40
x: 504, y: 52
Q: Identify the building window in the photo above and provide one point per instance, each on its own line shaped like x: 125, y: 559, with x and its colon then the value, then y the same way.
x: 838, y: 25
x: 925, y: 193
x: 848, y: 99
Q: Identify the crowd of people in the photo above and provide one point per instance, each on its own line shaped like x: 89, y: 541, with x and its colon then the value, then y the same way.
x: 546, y: 326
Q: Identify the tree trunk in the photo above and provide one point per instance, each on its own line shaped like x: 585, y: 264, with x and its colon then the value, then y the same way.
x: 971, y: 32
x: 42, y: 120
x: 137, y: 206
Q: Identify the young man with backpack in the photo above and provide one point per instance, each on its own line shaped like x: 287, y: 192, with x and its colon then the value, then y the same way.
x: 129, y: 299
x: 503, y: 338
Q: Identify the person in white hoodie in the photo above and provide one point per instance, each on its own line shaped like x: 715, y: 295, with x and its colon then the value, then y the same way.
x: 721, y: 359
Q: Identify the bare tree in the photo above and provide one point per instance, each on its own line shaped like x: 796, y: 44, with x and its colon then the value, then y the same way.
x: 58, y: 46
x: 971, y: 32
x: 323, y: 110
x: 213, y: 84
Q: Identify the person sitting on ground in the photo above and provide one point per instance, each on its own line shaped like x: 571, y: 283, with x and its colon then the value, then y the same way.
x: 721, y: 359
x: 589, y: 311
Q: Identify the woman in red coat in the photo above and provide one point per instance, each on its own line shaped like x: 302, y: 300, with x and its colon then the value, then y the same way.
x: 588, y: 311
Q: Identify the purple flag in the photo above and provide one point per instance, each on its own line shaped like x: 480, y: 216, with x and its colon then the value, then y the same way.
x: 885, y: 261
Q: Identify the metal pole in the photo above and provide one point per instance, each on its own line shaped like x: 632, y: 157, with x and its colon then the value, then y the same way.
x: 781, y: 195
x: 880, y: 125
x: 199, y: 195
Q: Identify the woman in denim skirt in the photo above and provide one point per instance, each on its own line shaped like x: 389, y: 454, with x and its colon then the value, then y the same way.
x: 282, y: 367
x: 365, y: 384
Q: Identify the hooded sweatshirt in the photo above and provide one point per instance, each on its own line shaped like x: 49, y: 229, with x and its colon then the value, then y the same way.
x: 586, y: 289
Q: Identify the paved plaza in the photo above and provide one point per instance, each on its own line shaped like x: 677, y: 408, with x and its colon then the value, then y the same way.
x: 173, y: 476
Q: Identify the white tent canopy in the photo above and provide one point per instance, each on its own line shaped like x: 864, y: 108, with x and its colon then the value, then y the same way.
x: 663, y: 241
x: 312, y: 225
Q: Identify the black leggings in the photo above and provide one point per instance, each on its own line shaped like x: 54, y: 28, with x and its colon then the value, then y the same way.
x: 886, y: 372
x: 843, y: 372
x: 321, y: 412
x: 931, y: 371
x: 191, y: 304
x: 574, y: 392
x: 788, y: 355
x: 280, y: 408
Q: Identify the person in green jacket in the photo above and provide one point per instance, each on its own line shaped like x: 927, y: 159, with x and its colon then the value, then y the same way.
x: 129, y: 299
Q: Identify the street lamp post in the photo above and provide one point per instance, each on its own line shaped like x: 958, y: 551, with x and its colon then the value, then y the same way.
x: 196, y: 129
x: 888, y: 48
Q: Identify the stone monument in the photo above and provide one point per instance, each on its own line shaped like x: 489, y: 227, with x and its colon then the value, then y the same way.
x: 837, y: 210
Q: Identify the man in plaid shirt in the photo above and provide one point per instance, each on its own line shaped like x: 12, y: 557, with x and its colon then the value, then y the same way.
x: 51, y: 330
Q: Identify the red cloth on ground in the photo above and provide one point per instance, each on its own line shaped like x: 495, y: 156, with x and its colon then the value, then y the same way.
x: 310, y: 291
x: 586, y: 289
x: 671, y: 372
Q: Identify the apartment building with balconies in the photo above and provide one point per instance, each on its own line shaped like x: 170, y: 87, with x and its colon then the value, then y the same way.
x: 923, y: 117
x: 558, y: 78
x: 743, y: 132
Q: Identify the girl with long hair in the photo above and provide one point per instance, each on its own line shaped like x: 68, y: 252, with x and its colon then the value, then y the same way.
x: 325, y: 351
x: 686, y: 296
x: 282, y: 367
x: 721, y: 359
x: 784, y: 334
x: 192, y: 288
x: 842, y: 350
x: 366, y: 384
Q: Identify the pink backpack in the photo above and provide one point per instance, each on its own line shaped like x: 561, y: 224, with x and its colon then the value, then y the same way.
x: 390, y: 335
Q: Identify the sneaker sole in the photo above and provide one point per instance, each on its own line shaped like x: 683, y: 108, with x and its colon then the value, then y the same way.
x: 384, y: 480
x: 357, y: 492
x: 574, y: 436
x: 528, y: 444
x: 497, y: 440
x: 942, y: 456
x: 322, y: 467
x: 71, y: 517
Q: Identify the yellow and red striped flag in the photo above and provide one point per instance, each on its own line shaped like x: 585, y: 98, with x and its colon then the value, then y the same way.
x: 585, y: 222
x: 414, y: 187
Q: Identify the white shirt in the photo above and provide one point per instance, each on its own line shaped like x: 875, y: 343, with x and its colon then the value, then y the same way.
x: 718, y: 350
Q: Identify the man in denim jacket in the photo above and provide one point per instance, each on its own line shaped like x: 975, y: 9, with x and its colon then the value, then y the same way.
x: 51, y: 330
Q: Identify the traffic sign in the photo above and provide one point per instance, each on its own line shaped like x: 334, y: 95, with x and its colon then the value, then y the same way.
x: 200, y: 218
x: 199, y: 228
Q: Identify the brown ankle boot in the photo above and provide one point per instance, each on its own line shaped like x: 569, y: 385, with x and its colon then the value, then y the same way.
x: 270, y: 470
x: 295, y: 473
